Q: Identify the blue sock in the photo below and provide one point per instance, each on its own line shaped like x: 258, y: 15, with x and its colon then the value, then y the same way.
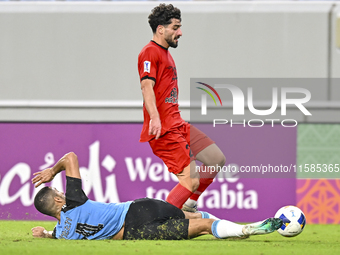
x: 206, y: 215
x: 214, y: 229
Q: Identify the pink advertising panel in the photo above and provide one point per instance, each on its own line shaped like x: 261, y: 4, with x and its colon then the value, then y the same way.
x: 115, y: 167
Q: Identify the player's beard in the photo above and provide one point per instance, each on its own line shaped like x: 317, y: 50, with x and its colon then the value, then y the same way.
x: 171, y: 42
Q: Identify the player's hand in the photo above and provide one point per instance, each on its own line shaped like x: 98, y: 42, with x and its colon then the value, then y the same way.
x: 38, y: 232
x: 42, y: 177
x: 155, y: 127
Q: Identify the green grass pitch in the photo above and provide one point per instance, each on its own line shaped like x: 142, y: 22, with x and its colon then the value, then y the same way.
x: 16, y: 238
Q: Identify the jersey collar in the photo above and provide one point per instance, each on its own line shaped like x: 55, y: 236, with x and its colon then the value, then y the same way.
x: 159, y: 45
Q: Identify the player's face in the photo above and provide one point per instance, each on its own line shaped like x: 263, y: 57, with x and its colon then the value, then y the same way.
x: 59, y: 194
x: 173, y: 32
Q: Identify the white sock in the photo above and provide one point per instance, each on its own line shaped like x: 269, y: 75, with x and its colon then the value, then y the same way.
x: 225, y: 229
x: 206, y: 215
x: 191, y: 202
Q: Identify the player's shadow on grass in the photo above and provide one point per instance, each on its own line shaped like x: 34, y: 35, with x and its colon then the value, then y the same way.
x: 217, y: 239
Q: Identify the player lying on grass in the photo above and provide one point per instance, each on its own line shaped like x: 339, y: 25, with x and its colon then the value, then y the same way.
x: 81, y: 218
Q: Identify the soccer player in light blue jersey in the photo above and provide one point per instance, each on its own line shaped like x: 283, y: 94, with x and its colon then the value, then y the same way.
x: 81, y: 218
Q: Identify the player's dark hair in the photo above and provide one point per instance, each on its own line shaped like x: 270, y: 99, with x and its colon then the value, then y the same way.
x: 44, y: 201
x: 162, y: 15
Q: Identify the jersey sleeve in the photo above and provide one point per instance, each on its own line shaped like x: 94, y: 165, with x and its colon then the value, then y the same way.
x: 148, y: 64
x: 54, y: 233
x: 75, y: 195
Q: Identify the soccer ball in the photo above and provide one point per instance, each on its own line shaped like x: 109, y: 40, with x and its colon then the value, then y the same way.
x: 293, y: 221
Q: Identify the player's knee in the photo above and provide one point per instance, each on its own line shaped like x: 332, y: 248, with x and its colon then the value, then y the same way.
x: 192, y: 185
x: 195, y: 183
x: 205, y: 225
x: 221, y: 159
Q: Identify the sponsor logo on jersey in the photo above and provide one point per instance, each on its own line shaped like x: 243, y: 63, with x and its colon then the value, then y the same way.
x: 174, y: 72
x: 147, y: 65
x: 173, y: 99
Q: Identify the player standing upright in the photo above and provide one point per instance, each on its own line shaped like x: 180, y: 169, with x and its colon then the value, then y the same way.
x: 172, y: 139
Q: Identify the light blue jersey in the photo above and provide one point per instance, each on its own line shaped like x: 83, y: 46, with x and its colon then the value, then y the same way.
x: 92, y: 220
x: 81, y: 218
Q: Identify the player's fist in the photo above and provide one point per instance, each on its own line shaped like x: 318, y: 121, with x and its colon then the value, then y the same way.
x: 38, y: 232
x: 155, y: 127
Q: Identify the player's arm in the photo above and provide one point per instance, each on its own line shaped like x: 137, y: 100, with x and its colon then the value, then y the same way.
x: 41, y: 232
x: 149, y: 97
x: 69, y: 163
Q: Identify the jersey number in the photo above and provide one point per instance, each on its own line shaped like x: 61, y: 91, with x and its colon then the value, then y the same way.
x: 88, y: 230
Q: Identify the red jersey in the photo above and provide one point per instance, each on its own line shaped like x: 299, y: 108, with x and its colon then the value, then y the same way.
x: 156, y: 63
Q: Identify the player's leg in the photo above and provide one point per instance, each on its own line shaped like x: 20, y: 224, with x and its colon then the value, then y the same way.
x: 226, y: 229
x: 211, y: 157
x: 198, y: 227
x: 199, y: 215
x: 192, y: 215
x: 188, y: 184
x: 189, y: 178
x: 174, y: 150
x: 150, y: 219
x: 207, y: 152
x: 153, y: 219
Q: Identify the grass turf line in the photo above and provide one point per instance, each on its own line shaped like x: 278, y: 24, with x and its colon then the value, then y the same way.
x: 16, y: 238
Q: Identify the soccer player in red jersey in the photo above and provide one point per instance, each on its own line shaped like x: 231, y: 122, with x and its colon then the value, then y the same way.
x: 172, y: 139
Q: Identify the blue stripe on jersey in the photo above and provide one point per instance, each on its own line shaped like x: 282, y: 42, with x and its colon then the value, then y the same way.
x: 92, y: 220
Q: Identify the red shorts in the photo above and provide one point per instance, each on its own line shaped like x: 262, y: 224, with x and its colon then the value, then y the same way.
x: 179, y: 146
